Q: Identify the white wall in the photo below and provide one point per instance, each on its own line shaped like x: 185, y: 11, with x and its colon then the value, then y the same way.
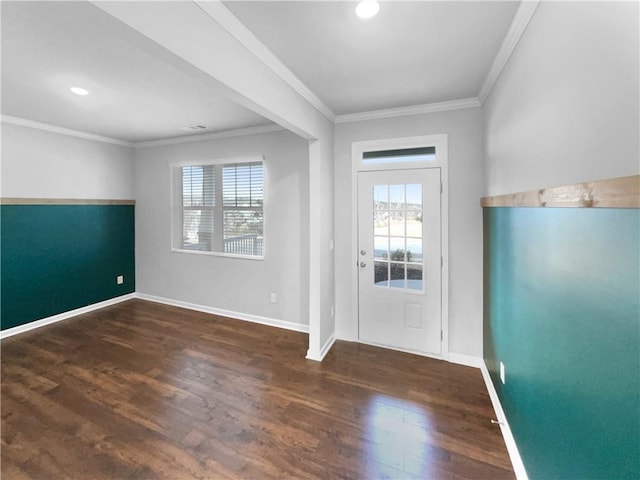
x: 237, y: 285
x: 326, y: 238
x: 464, y: 128
x: 42, y: 164
x: 566, y: 107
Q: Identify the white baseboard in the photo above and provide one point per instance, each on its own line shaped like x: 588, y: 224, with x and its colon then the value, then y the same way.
x: 466, y: 360
x: 63, y: 316
x: 452, y: 357
x: 512, y: 448
x: 319, y: 356
x: 167, y: 301
x: 272, y: 322
x: 398, y: 349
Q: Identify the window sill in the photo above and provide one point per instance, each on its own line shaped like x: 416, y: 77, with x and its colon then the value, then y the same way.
x: 218, y: 254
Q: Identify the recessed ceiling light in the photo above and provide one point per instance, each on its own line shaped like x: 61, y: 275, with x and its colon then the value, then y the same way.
x: 367, y: 8
x: 79, y: 91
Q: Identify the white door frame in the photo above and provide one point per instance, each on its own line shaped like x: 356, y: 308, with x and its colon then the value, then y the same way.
x: 442, y: 159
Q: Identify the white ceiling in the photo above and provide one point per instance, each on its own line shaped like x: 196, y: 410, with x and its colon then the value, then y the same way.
x: 139, y: 91
x: 411, y: 53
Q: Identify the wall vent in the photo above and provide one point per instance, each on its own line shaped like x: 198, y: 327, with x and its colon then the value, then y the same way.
x: 194, y: 127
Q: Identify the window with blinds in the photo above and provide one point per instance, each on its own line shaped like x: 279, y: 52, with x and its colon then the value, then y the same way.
x: 221, y: 208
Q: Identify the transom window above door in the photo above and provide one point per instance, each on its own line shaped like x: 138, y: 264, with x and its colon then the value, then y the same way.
x: 420, y: 154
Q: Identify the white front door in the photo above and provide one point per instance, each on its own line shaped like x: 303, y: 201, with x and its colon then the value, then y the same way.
x: 399, y: 259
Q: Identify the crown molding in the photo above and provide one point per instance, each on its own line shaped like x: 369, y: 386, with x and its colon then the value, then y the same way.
x: 23, y: 122
x: 221, y: 14
x: 521, y: 19
x: 201, y: 137
x: 412, y: 110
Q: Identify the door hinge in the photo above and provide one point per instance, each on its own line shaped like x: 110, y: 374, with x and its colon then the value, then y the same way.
x: 441, y: 262
x: 441, y: 335
x: 441, y: 187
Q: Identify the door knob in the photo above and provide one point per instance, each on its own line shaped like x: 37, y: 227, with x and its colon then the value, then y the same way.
x: 363, y: 252
x: 362, y: 264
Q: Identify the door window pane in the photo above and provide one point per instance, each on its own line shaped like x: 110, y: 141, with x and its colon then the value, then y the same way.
x: 396, y: 197
x: 397, y: 275
x: 414, y: 249
x: 381, y: 248
x: 414, y: 277
x: 396, y: 223
x: 380, y: 197
x: 381, y: 222
x: 414, y: 211
x: 414, y: 196
x: 414, y: 224
x: 381, y: 273
x: 396, y: 249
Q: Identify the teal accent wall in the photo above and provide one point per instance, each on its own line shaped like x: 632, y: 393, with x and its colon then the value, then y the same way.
x: 562, y: 312
x: 56, y: 258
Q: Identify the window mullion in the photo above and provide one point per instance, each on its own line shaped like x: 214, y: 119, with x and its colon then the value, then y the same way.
x: 218, y: 235
x: 180, y: 188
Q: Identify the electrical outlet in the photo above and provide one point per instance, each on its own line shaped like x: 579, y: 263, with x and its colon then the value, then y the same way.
x: 274, y: 297
x: 120, y: 279
x: 502, y: 374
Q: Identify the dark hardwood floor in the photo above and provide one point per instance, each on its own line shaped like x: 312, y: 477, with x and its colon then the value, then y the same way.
x: 142, y: 390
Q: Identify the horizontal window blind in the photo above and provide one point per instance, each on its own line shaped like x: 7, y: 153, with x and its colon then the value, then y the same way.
x: 242, y: 184
x: 198, y: 202
x: 198, y: 186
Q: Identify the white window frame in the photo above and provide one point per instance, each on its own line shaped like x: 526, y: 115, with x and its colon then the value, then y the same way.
x: 177, y: 207
x: 441, y: 142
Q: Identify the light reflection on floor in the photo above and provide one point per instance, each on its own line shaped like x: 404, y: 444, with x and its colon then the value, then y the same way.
x: 398, y: 434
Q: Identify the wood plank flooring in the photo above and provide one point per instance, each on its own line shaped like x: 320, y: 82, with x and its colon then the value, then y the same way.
x: 141, y: 390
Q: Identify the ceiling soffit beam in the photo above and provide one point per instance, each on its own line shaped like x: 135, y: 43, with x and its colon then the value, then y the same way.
x: 193, y: 35
x: 184, y: 29
x: 521, y: 20
x: 228, y: 21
